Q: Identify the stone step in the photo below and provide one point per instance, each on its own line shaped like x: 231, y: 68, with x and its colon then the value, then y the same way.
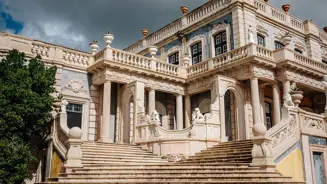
x: 112, y: 148
x: 211, y: 154
x: 220, y: 157
x: 230, y: 147
x: 169, y: 172
x: 92, y: 162
x: 122, y: 156
x: 170, y: 178
x: 226, y: 151
x: 110, y: 144
x: 131, y: 153
x: 248, y: 141
x: 178, y: 182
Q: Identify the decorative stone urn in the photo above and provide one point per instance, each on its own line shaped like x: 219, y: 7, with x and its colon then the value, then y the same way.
x: 286, y: 7
x: 145, y: 32
x: 296, y: 97
x: 108, y: 38
x: 287, y: 39
x: 57, y: 104
x: 325, y: 29
x: 184, y: 9
x: 153, y: 50
x: 94, y: 46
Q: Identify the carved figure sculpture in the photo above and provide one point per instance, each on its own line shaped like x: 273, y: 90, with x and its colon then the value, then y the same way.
x: 64, y: 103
x: 288, y: 100
x: 155, y: 116
x: 251, y: 38
x: 197, y: 115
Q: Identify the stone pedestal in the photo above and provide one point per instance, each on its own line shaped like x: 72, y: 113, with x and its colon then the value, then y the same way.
x: 262, y: 153
x: 74, y: 153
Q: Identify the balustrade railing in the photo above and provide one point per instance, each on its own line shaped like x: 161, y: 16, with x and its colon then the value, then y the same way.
x: 40, y: 49
x: 167, y: 68
x: 313, y: 124
x: 130, y: 59
x: 230, y: 57
x: 75, y: 58
x: 198, y: 68
x: 265, y: 53
x: 310, y: 63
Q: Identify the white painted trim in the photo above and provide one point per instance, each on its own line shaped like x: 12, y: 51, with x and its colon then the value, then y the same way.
x: 85, y: 102
x: 173, y: 50
x: 196, y: 39
x: 217, y: 29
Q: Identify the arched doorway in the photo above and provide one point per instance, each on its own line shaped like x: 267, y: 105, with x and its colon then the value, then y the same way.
x: 230, y: 115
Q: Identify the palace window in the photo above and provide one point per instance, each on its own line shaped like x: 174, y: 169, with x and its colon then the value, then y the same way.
x: 268, y: 115
x: 220, y: 43
x: 74, y: 115
x: 298, y: 51
x: 174, y: 58
x: 261, y: 40
x: 196, y: 50
x: 279, y: 45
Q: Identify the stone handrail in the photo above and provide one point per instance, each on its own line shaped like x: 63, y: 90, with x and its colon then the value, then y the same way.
x: 198, y: 68
x: 131, y: 59
x: 286, y: 133
x: 206, y: 10
x: 308, y: 62
x: 265, y: 53
x: 230, y: 56
x: 152, y: 137
x: 59, y: 137
x: 50, y: 53
x: 268, y: 10
x: 75, y: 58
x: 313, y: 124
x: 189, y: 19
x: 167, y: 68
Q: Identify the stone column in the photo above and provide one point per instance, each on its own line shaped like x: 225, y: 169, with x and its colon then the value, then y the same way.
x: 262, y: 104
x: 179, y: 112
x: 106, y: 112
x: 286, y: 86
x: 276, y: 104
x: 259, y: 129
x: 151, y: 101
x: 187, y: 102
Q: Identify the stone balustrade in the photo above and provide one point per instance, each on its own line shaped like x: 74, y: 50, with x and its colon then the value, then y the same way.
x: 279, y: 15
x: 167, y: 68
x: 310, y: 63
x: 131, y: 59
x: 75, y: 58
x: 323, y: 36
x: 40, y: 49
x: 188, y: 141
x: 313, y: 124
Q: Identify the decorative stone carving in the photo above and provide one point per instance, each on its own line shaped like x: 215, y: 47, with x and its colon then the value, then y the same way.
x: 197, y: 116
x: 207, y: 116
x: 64, y: 104
x: 155, y: 116
x: 145, y: 119
x: 261, y: 29
x: 76, y: 87
x: 287, y: 131
x: 314, y: 123
x: 262, y: 153
x: 288, y: 100
x: 265, y: 72
x: 174, y: 157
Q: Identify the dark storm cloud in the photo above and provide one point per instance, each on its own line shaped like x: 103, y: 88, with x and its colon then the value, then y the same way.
x: 74, y: 23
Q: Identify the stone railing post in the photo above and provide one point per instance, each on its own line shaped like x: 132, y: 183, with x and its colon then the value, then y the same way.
x: 262, y: 153
x: 74, y: 153
x: 153, y: 52
x: 252, y: 49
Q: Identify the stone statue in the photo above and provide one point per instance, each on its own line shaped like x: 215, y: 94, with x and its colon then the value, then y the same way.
x: 251, y: 37
x: 294, y: 87
x: 64, y: 104
x: 145, y: 118
x: 288, y: 100
x: 196, y: 115
x: 155, y: 116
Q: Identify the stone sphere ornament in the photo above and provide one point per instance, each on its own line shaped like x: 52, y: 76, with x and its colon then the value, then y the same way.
x: 75, y: 133
x: 259, y: 129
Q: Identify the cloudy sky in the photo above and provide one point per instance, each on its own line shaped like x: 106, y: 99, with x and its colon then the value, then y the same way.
x: 74, y: 23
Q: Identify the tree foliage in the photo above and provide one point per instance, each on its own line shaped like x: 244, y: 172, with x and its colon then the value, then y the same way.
x: 25, y: 112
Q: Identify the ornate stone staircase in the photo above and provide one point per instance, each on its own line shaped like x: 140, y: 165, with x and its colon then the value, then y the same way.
x: 113, y: 163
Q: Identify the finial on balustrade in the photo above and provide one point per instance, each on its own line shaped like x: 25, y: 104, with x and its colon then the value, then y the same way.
x: 145, y: 32
x: 287, y: 39
x: 184, y: 9
x: 94, y: 46
x: 74, y: 153
x: 108, y: 38
x: 186, y: 61
x: 153, y: 51
x: 325, y: 29
x: 286, y: 7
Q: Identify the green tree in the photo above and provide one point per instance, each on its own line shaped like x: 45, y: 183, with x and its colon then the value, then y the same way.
x: 25, y: 112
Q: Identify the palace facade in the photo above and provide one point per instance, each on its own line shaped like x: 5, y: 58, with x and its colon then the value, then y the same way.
x: 227, y: 71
